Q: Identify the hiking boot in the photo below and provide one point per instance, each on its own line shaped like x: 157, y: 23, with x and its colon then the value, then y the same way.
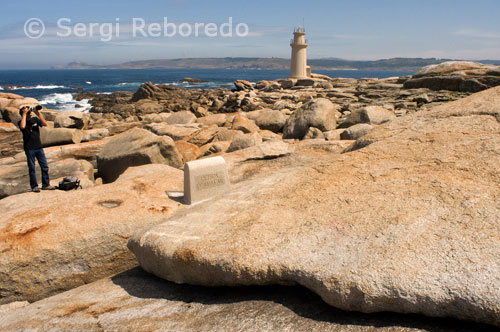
x: 49, y: 188
x: 35, y: 190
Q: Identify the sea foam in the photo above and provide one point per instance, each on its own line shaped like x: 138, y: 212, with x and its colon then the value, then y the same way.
x: 65, y: 101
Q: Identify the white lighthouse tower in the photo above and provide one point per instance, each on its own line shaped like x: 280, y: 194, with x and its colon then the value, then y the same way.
x: 298, y: 66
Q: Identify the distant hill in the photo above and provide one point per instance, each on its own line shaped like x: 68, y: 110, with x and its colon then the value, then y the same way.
x: 406, y: 64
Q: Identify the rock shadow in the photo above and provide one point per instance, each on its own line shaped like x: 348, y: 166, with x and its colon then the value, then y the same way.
x: 303, y: 302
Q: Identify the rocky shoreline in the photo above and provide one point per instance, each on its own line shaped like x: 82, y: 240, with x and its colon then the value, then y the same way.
x: 347, y: 168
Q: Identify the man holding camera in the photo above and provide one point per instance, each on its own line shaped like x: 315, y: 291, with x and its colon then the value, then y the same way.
x: 30, y: 127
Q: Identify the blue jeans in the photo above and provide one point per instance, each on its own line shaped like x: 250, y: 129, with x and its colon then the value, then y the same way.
x: 44, y: 166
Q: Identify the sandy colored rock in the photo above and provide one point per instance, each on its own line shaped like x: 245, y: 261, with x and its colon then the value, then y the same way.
x: 60, y: 136
x: 14, y: 179
x: 71, y: 119
x: 264, y: 151
x: 135, y: 300
x: 242, y: 85
x: 11, y: 140
x: 244, y: 124
x: 17, y: 103
x: 203, y: 136
x: 86, y: 151
x: 314, y: 133
x: 176, y: 132
x: 463, y: 76
x: 188, y: 151
x: 273, y: 120
x: 218, y: 147
x: 357, y: 131
x: 319, y: 113
x: 134, y: 148
x: 214, y: 119
x: 225, y: 134
x: 9, y: 95
x: 368, y: 114
x: 11, y: 114
x: 333, y: 135
x: 61, y: 240
x: 243, y: 141
x: 184, y: 117
x: 409, y: 223
x: 447, y: 68
x: 148, y: 107
x: 95, y: 134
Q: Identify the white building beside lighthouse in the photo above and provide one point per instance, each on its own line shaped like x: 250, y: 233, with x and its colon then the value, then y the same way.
x: 298, y: 66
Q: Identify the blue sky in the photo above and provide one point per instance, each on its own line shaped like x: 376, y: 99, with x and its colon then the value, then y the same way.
x: 345, y: 29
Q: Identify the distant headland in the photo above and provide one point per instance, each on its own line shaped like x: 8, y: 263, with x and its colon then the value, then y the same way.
x: 410, y: 64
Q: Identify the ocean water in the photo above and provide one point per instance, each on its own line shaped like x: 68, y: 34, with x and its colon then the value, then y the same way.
x: 55, y: 88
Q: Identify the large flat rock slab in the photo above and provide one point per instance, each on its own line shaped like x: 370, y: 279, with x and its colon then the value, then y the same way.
x: 55, y: 241
x: 410, y: 223
x: 137, y: 301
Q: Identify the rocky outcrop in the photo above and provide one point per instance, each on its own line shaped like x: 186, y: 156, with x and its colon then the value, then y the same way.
x: 409, y: 223
x: 318, y: 113
x: 95, y: 134
x: 134, y: 148
x: 188, y: 151
x: 242, y: 123
x: 243, y: 141
x: 60, y: 136
x: 184, y: 117
x: 11, y: 140
x: 176, y: 132
x: 456, y: 76
x: 203, y: 136
x: 368, y: 114
x: 55, y: 241
x: 355, y: 132
x: 135, y: 300
x: 242, y: 85
x: 71, y: 119
x: 14, y: 179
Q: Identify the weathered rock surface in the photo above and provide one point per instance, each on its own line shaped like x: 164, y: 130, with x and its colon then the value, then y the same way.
x: 134, y: 148
x: 357, y: 131
x: 137, y: 301
x: 203, y: 136
x: 55, y: 241
x: 461, y: 76
x: 368, y: 114
x: 71, y: 119
x: 243, y: 141
x: 409, y: 223
x: 188, y: 151
x: 184, y: 117
x: 318, y: 113
x: 95, y: 134
x: 242, y: 85
x: 60, y: 136
x: 14, y: 179
x: 242, y: 123
x: 272, y: 120
x: 11, y: 140
x: 176, y: 132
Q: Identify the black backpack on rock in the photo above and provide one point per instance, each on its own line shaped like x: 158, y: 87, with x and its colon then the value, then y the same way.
x: 69, y: 183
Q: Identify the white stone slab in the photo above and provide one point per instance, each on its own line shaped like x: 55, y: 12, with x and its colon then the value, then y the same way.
x: 204, y: 179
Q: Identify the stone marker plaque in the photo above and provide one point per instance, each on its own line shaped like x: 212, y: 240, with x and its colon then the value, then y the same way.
x: 204, y: 179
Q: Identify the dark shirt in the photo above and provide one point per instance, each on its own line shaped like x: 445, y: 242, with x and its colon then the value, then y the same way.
x: 31, y: 134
